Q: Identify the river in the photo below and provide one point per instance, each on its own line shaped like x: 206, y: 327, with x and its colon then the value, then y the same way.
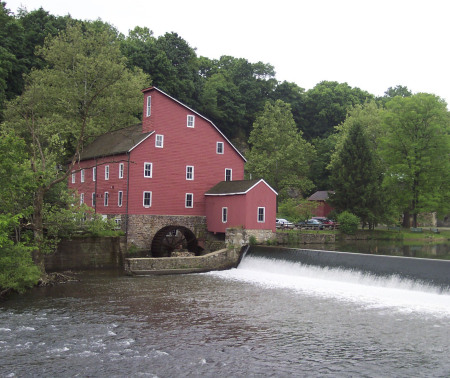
x: 265, y: 318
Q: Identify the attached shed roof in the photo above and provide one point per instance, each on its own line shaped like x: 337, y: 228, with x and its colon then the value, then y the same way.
x: 321, y: 195
x: 115, y: 142
x: 229, y: 188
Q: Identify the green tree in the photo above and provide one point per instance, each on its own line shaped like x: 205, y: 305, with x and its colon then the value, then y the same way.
x: 85, y: 90
x: 356, y: 177
x: 326, y: 106
x: 416, y: 150
x: 278, y: 152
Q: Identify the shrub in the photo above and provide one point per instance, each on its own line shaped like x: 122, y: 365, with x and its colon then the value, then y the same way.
x: 348, y: 223
x: 252, y: 240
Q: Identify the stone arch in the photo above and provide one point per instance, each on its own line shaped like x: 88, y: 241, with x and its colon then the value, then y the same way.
x: 173, y: 237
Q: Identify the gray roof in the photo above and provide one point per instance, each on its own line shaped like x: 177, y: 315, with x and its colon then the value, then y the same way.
x: 115, y: 142
x: 224, y: 188
x: 321, y: 195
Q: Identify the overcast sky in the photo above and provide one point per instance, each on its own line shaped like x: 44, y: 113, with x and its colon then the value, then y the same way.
x: 370, y: 44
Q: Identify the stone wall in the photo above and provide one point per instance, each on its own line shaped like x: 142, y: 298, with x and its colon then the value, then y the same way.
x: 219, y: 260
x: 87, y: 253
x: 297, y: 238
x: 238, y: 236
x: 142, y: 228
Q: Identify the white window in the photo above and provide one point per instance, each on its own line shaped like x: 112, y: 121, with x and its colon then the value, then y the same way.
x: 148, y: 169
x: 261, y: 214
x: 148, y: 111
x: 189, y: 200
x: 106, y: 198
x: 93, y: 199
x: 228, y: 174
x: 106, y: 172
x: 190, y: 121
x: 118, y: 222
x: 219, y: 148
x: 120, y: 199
x: 159, y: 141
x: 82, y: 175
x: 81, y: 198
x: 147, y: 199
x: 121, y: 169
x: 73, y: 177
x: 189, y: 172
x: 94, y: 173
x: 224, y: 214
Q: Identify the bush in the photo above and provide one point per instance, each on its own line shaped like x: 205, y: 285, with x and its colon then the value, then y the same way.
x: 252, y: 240
x: 348, y: 222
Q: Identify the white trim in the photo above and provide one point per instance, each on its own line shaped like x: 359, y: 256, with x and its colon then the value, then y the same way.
x: 106, y: 172
x: 148, y: 106
x: 226, y: 214
x: 74, y: 177
x: 197, y: 113
x: 231, y: 174
x: 193, y: 121
x: 120, y: 198
x: 191, y: 173
x: 82, y: 175
x: 162, y: 141
x: 94, y: 173
x: 151, y: 169
x: 148, y: 136
x: 106, y: 199
x: 264, y: 215
x: 236, y: 193
x: 143, y: 198
x: 192, y: 200
x: 121, y: 170
x: 217, y: 148
x: 93, y: 199
x: 81, y: 198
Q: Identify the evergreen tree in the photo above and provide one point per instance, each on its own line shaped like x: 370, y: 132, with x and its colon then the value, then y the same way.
x: 356, y: 177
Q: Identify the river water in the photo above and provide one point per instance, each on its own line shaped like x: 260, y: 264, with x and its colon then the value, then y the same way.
x: 265, y: 318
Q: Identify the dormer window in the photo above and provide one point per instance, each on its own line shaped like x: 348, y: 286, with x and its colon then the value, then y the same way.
x: 190, y: 121
x: 148, y: 111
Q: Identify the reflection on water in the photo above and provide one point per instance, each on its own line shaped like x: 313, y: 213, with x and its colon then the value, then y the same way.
x: 392, y: 248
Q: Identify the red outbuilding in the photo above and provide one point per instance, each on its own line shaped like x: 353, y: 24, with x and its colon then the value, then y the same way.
x: 152, y: 177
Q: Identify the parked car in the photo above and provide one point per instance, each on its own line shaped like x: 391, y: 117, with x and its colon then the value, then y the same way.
x: 325, y: 221
x: 284, y: 223
x: 311, y: 223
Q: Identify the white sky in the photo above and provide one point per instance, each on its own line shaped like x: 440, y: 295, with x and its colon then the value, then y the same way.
x: 370, y: 44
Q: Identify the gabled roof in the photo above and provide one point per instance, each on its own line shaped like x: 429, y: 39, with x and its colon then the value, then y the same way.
x: 321, y: 195
x: 193, y: 111
x: 230, y: 188
x: 115, y: 142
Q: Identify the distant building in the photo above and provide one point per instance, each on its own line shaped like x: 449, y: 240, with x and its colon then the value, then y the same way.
x: 323, y: 208
x: 156, y: 179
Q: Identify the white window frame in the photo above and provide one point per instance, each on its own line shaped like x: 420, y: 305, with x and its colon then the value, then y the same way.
x: 120, y: 198
x: 150, y: 169
x: 94, y: 173
x: 190, y: 172
x: 219, y: 150
x: 82, y: 175
x: 106, y: 199
x: 231, y: 174
x: 93, y: 199
x: 191, y: 200
x: 190, y: 121
x: 106, y: 172
x: 121, y: 170
x: 263, y: 215
x: 148, y: 111
x: 143, y: 199
x: 74, y: 179
x: 159, y: 141
x: 81, y: 198
x: 224, y: 214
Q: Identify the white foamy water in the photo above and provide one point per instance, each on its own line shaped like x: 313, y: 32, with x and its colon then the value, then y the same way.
x: 346, y: 285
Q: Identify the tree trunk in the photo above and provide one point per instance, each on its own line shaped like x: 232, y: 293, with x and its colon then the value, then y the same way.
x: 38, y: 228
x: 406, y: 220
